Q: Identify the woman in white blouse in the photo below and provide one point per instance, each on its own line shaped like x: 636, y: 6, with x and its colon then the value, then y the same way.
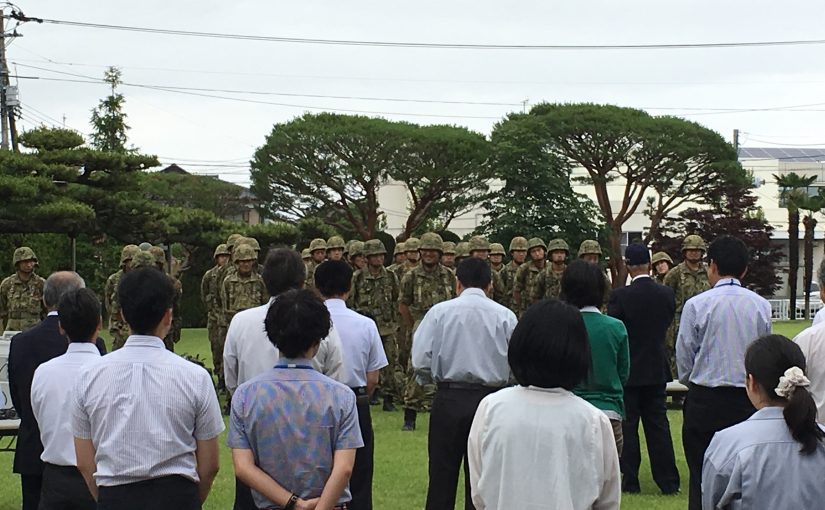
x: 776, y: 458
x: 538, y: 446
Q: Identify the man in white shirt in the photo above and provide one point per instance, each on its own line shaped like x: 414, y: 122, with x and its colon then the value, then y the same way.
x: 812, y: 343
x: 80, y: 321
x: 461, y: 345
x: 146, y: 421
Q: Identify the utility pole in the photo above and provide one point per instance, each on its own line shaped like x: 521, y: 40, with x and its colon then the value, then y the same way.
x: 524, y: 105
x: 4, y: 80
x: 736, y: 141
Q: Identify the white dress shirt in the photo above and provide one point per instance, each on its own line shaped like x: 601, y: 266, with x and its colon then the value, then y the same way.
x: 464, y: 340
x: 52, y: 401
x: 248, y: 351
x: 534, y: 448
x: 819, y: 317
x: 144, y: 408
x: 362, y: 348
x: 812, y: 343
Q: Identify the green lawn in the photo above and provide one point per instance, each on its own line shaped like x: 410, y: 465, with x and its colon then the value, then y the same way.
x: 400, y: 457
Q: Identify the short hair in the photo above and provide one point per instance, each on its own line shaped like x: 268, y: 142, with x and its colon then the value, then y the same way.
x: 297, y: 321
x: 550, y: 347
x: 730, y: 255
x: 79, y: 314
x: 583, y: 284
x: 283, y: 270
x: 145, y: 294
x: 475, y: 273
x: 58, y: 284
x: 333, y: 278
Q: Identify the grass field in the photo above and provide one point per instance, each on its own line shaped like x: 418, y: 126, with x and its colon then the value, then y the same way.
x: 400, y: 457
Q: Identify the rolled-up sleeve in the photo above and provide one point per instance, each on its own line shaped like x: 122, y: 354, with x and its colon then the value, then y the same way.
x: 208, y: 421
x: 422, y: 347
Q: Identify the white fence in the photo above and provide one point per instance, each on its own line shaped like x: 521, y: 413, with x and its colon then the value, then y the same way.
x: 780, y: 309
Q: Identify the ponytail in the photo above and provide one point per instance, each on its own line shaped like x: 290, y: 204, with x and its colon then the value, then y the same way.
x: 800, y: 415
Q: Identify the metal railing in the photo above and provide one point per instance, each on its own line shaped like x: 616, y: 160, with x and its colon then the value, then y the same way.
x: 780, y: 309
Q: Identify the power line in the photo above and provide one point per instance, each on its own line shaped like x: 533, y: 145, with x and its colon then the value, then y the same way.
x: 814, y: 145
x: 421, y: 45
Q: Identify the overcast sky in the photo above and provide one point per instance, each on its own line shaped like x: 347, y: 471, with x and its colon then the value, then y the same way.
x: 202, y: 132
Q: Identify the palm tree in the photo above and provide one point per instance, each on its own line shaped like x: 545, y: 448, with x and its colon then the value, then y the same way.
x: 811, y: 205
x: 792, y: 190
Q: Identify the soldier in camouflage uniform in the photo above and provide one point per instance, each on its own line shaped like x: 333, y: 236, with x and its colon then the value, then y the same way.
x: 686, y: 279
x: 398, y: 256
x: 244, y: 288
x: 421, y: 288
x: 118, y: 328
x: 173, y: 336
x: 214, y: 322
x: 462, y: 251
x: 548, y: 283
x: 448, y: 257
x: 336, y: 248
x: 661, y: 263
x: 318, y: 252
x: 590, y: 251
x: 518, y: 252
x: 480, y: 248
x: 411, y: 247
x: 21, y: 294
x: 305, y: 256
x: 527, y: 274
x: 497, y: 254
x: 375, y: 295
x: 356, y: 259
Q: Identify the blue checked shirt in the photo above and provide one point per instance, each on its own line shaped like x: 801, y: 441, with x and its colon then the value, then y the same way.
x: 716, y: 329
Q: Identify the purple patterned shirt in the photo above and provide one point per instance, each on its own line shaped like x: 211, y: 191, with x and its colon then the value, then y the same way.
x: 293, y: 420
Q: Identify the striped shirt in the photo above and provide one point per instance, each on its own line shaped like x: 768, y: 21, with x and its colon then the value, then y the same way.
x: 716, y: 329
x: 144, y: 408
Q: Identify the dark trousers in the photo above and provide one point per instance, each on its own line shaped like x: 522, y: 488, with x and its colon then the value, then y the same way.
x: 164, y: 493
x: 450, y: 420
x: 243, y: 497
x: 30, y: 486
x: 707, y: 411
x: 360, y: 483
x: 647, y: 404
x: 65, y: 489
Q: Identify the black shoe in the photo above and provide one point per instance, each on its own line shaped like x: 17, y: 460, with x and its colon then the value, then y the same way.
x: 388, y: 405
x: 409, y: 420
x: 629, y: 488
x: 671, y: 492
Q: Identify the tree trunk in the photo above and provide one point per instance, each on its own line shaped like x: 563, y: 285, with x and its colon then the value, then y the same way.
x: 810, y: 225
x: 793, y: 260
x: 618, y: 271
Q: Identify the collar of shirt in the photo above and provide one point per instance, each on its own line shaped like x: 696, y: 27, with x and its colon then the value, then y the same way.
x: 84, y: 347
x: 293, y: 362
x: 472, y: 291
x: 769, y: 413
x: 336, y: 303
x: 144, y: 341
x: 557, y: 391
x: 638, y: 276
x: 728, y: 281
x: 52, y: 313
x: 591, y: 309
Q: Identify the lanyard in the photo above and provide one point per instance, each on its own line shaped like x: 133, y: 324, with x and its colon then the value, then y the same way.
x: 294, y: 365
x: 733, y: 282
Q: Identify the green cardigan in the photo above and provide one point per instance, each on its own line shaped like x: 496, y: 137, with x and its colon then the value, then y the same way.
x: 610, y: 355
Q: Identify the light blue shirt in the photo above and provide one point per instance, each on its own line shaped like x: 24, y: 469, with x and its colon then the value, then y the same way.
x: 716, y: 329
x: 362, y: 348
x: 464, y: 340
x: 756, y: 464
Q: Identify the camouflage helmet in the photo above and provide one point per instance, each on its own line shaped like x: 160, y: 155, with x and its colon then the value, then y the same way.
x: 305, y: 254
x: 448, y: 248
x: 660, y: 256
x: 336, y: 242
x: 143, y: 259
x: 399, y: 249
x: 558, y: 245
x: 348, y: 246
x: 374, y: 247
x: 478, y: 243
x: 249, y: 241
x: 144, y: 246
x: 694, y: 242
x: 222, y: 249
x: 23, y: 254
x: 589, y: 247
x: 412, y: 244
x: 356, y: 248
x: 518, y: 244
x: 232, y: 239
x: 317, y: 244
x: 243, y: 252
x: 535, y: 242
x: 462, y: 250
x: 159, y: 254
x: 497, y: 249
x: 431, y: 241
x: 127, y: 253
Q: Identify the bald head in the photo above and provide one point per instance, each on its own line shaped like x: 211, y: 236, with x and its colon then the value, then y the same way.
x: 58, y: 284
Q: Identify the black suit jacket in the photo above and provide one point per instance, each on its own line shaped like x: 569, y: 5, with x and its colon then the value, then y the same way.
x: 28, y: 350
x: 646, y: 308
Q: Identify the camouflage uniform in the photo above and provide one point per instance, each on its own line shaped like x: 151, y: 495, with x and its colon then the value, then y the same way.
x: 497, y: 249
x: 685, y: 284
x: 21, y: 303
x: 215, y: 328
x: 659, y: 257
x: 399, y: 248
x: 315, y: 245
x: 478, y: 243
x: 548, y: 283
x: 526, y: 277
x: 420, y: 290
x: 376, y: 296
x: 449, y: 249
x: 173, y: 336
x: 242, y: 292
x: 118, y: 328
x: 508, y: 272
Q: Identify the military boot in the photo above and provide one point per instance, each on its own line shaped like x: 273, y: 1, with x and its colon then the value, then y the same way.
x: 409, y: 420
x: 388, y: 405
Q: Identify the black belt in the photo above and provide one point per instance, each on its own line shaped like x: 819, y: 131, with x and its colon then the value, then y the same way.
x: 361, y: 394
x: 449, y: 385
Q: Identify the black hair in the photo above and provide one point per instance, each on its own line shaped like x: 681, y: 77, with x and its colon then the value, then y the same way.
x: 79, y: 314
x: 283, y: 270
x: 145, y: 294
x: 767, y: 359
x: 297, y: 321
x: 730, y: 255
x: 333, y: 278
x: 550, y: 347
x: 583, y: 284
x: 475, y: 273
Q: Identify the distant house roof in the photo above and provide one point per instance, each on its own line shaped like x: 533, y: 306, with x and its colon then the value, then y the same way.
x: 808, y: 154
x: 174, y: 169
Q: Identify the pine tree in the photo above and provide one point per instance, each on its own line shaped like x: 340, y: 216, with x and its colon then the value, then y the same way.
x: 108, y: 119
